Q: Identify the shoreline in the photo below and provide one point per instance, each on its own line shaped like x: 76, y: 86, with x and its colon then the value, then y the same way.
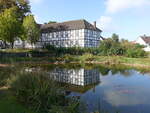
x: 143, y: 63
x: 139, y: 66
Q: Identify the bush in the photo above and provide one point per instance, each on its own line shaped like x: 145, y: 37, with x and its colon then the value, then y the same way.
x: 51, y: 48
x: 135, y: 53
x: 68, y: 58
x: 71, y: 50
x: 87, y: 57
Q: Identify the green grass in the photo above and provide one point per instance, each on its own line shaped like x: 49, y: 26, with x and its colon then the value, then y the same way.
x: 86, y: 58
x: 8, y: 104
x: 83, y: 59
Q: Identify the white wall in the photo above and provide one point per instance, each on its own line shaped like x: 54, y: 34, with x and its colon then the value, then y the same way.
x: 24, y: 44
x: 142, y: 42
x: 72, y: 38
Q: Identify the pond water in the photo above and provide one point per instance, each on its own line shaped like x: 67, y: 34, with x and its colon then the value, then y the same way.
x: 105, y: 89
x: 115, y: 89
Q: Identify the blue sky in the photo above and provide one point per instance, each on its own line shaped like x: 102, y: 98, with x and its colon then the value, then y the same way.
x: 128, y: 18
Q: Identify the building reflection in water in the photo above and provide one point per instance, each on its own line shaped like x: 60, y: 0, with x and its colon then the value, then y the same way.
x: 81, y: 77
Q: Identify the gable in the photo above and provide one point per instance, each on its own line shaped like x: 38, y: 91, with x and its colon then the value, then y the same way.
x: 140, y: 41
x: 146, y: 39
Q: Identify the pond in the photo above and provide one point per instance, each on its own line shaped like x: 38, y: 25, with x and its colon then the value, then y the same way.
x: 105, y: 89
x: 115, y: 89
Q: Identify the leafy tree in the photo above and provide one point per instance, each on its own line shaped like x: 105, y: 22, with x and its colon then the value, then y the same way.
x: 115, y: 37
x: 31, y: 29
x: 111, y: 46
x: 10, y: 26
x: 6, y: 4
x: 22, y: 6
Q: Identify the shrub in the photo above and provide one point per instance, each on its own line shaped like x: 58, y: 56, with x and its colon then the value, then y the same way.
x: 71, y: 50
x: 87, y: 57
x: 68, y: 58
x: 135, y: 53
x: 51, y: 48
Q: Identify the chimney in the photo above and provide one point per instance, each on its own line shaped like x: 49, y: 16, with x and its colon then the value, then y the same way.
x: 94, y: 24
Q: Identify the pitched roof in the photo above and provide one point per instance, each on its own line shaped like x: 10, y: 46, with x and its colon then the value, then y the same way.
x: 146, y: 39
x: 69, y: 25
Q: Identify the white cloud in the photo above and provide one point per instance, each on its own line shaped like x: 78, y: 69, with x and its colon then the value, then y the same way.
x: 113, y: 6
x: 106, y: 23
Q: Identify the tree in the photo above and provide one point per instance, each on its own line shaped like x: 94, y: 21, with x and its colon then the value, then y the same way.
x: 31, y: 29
x: 22, y: 6
x: 115, y: 37
x: 10, y: 26
x: 111, y: 46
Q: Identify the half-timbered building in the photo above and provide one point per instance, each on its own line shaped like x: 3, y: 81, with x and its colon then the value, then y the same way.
x: 78, y: 33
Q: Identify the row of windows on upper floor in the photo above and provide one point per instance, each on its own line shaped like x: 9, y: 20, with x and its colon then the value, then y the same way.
x: 70, y: 33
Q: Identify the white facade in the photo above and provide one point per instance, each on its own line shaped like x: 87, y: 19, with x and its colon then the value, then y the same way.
x: 72, y: 38
x: 142, y: 42
x: 24, y: 44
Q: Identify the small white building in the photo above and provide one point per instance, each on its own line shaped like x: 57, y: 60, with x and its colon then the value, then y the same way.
x: 144, y: 40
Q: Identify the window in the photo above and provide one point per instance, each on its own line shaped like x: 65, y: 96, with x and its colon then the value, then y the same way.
x: 52, y: 35
x: 57, y: 34
x: 61, y: 34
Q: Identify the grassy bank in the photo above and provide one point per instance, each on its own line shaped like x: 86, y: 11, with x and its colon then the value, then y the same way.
x: 86, y: 58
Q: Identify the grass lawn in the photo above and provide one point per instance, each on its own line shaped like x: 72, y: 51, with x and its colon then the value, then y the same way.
x: 8, y: 103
